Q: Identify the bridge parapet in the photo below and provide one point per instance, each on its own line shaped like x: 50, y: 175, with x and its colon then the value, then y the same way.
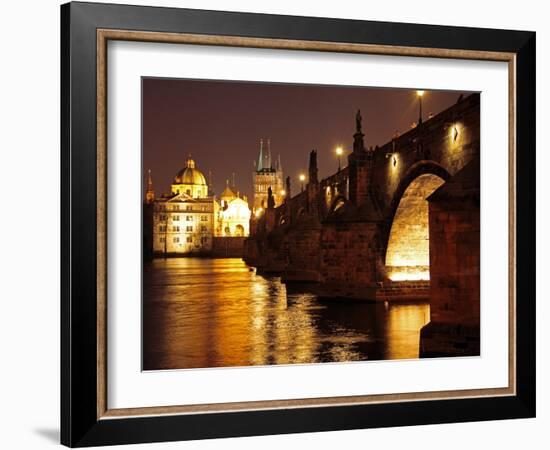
x: 337, y: 230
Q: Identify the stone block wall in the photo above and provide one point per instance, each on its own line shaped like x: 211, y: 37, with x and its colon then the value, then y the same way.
x: 454, y: 217
x: 350, y: 260
x: 228, y: 247
x: 455, y: 262
x: 304, y: 256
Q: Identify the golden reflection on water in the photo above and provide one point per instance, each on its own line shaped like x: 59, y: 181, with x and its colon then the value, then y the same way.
x: 218, y: 313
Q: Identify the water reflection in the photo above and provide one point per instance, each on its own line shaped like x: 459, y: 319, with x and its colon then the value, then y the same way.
x: 217, y: 312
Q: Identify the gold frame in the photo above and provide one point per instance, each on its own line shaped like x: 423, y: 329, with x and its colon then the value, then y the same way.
x: 103, y: 36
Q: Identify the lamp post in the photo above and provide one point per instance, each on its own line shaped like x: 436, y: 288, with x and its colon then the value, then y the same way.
x: 339, y: 152
x: 302, y: 179
x: 419, y: 94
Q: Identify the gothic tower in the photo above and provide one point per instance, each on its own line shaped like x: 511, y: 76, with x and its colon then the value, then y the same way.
x: 266, y: 176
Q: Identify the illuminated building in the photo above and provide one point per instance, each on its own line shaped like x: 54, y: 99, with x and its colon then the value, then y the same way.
x: 234, y: 215
x: 190, y: 218
x: 266, y: 176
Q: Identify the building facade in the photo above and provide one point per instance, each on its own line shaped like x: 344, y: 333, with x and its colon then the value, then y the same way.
x: 233, y: 216
x: 267, y: 175
x: 190, y: 218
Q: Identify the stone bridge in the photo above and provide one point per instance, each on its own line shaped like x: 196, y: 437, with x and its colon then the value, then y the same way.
x: 399, y: 222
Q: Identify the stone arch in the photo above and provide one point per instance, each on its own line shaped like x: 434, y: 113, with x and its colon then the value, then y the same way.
x: 406, y: 233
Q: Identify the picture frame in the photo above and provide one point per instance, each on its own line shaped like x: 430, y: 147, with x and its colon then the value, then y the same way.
x: 86, y: 28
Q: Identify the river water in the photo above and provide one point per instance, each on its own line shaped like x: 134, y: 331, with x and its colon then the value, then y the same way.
x: 200, y: 312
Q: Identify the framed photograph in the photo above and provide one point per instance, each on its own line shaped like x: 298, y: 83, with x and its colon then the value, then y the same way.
x: 276, y: 224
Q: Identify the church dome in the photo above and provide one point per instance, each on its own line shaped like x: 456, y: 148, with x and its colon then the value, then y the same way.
x: 190, y: 175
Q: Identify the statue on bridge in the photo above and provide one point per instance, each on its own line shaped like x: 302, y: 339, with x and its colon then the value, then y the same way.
x: 270, y: 198
x: 358, y: 120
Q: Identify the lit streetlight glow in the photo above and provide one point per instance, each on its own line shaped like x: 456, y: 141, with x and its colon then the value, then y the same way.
x: 339, y: 152
x: 302, y: 179
x: 420, y: 94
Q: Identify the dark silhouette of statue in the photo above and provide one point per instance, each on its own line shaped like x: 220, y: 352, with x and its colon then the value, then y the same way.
x: 358, y: 143
x: 358, y: 120
x: 270, y: 198
x: 313, y: 166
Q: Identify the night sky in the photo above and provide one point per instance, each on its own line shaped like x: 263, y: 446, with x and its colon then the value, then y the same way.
x: 220, y: 123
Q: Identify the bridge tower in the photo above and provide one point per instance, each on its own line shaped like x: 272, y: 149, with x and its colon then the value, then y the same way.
x: 266, y: 175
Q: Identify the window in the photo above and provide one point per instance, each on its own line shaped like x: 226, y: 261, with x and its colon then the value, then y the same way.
x: 188, y: 208
x: 162, y: 228
x: 176, y: 228
x: 189, y: 239
x: 176, y: 207
x: 176, y: 240
x: 189, y: 218
x: 203, y: 228
x: 204, y: 240
x: 162, y: 217
x: 204, y: 218
x: 176, y: 218
x: 189, y: 228
x: 203, y: 208
x: 162, y: 239
x: 188, y: 191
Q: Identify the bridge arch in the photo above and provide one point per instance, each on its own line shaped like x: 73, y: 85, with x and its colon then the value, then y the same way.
x: 406, y: 231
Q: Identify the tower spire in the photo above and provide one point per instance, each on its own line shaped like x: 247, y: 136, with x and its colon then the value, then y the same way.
x: 149, y: 180
x: 269, y: 164
x: 261, y: 158
x: 149, y: 193
x: 279, y: 165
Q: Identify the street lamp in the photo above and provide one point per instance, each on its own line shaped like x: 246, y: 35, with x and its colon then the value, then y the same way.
x: 302, y: 179
x: 419, y: 94
x: 339, y: 152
